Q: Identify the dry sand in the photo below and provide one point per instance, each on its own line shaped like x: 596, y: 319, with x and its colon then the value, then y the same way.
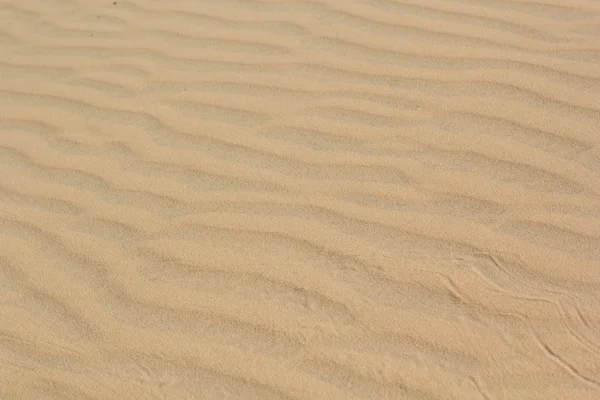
x: 376, y: 199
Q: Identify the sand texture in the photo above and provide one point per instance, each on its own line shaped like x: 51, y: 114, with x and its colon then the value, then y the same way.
x: 375, y: 199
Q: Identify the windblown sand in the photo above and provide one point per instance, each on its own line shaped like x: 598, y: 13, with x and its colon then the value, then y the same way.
x: 375, y: 199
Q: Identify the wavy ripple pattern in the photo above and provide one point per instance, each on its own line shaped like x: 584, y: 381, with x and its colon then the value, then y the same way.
x: 263, y: 199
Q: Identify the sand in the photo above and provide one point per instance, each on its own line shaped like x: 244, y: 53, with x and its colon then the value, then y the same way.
x: 375, y: 199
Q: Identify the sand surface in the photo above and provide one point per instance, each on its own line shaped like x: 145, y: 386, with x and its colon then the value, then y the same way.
x: 376, y: 199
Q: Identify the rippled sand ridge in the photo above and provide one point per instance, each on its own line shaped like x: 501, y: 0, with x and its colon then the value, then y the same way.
x: 374, y: 199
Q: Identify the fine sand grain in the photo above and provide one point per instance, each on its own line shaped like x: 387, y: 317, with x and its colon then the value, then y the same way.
x: 375, y: 199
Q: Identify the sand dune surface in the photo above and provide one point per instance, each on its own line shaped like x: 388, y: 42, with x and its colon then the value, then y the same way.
x: 248, y: 199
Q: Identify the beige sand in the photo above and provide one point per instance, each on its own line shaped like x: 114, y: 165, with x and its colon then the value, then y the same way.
x: 376, y: 199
